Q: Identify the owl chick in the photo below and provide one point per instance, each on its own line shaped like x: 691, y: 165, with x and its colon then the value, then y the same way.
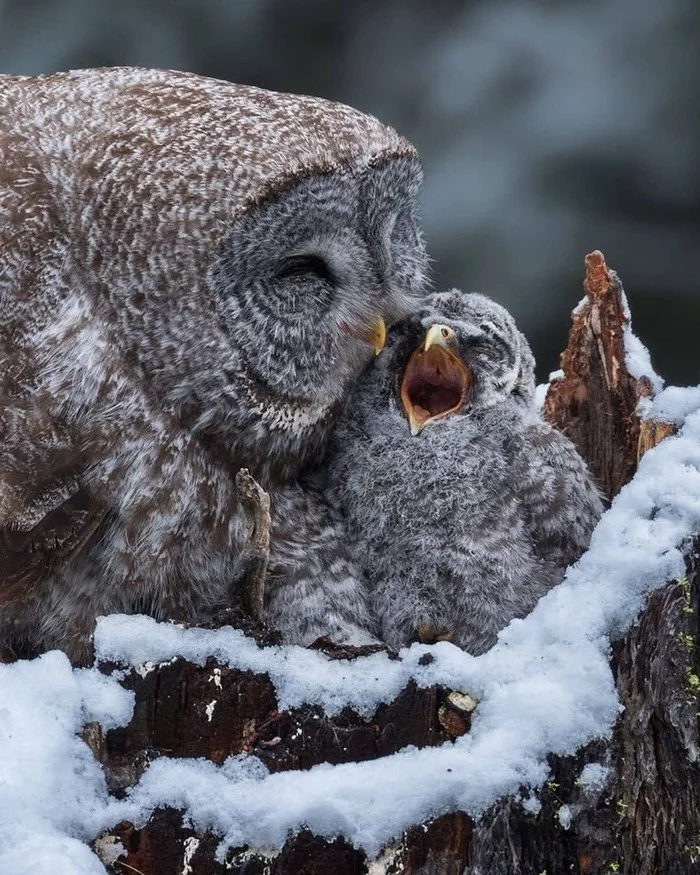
x: 463, y: 506
x: 192, y: 276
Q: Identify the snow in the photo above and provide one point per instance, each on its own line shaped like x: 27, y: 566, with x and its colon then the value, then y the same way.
x: 541, y: 395
x: 565, y: 815
x: 52, y: 789
x: 638, y: 361
x: 542, y: 388
x: 673, y: 405
x: 593, y: 777
x: 531, y: 803
x: 546, y: 687
x: 637, y: 358
x: 370, y: 801
x: 300, y: 676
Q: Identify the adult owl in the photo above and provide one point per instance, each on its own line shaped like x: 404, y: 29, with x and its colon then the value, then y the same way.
x: 192, y: 275
x: 463, y: 506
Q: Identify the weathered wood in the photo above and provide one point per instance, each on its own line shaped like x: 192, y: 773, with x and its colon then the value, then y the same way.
x: 440, y: 847
x: 656, y: 741
x: 165, y: 846
x: 184, y: 710
x: 213, y: 711
x: 645, y: 820
x: 595, y: 402
x: 652, y: 433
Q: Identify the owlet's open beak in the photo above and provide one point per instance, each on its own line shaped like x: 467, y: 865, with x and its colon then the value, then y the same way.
x: 436, y: 381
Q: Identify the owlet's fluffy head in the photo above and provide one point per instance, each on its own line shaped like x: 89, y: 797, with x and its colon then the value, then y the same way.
x: 237, y: 251
x: 485, y: 336
x: 460, y: 354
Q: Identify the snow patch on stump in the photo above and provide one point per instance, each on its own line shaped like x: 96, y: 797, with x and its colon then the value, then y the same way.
x: 546, y: 687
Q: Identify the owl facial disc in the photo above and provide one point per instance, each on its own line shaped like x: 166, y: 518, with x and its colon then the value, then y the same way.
x: 436, y: 381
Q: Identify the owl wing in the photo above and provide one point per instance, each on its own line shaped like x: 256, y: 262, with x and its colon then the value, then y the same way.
x: 28, y: 555
x: 47, y: 513
x: 562, y: 504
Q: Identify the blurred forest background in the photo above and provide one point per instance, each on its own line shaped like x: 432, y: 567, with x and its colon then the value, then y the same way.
x: 547, y: 127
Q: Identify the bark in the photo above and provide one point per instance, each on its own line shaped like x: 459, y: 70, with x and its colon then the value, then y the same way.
x: 594, y: 403
x: 174, y: 715
x: 642, y: 820
x: 645, y: 820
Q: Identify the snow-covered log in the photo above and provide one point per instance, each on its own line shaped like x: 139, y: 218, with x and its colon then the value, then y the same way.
x: 201, y: 751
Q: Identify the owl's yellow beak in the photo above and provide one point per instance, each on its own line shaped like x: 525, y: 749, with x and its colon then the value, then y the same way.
x: 373, y: 332
x: 436, y: 381
x: 438, y: 334
x: 378, y: 335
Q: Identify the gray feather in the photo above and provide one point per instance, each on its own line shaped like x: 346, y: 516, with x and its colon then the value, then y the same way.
x: 465, y: 526
x: 185, y: 268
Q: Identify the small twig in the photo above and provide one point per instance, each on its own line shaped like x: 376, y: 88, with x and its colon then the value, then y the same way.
x: 256, y: 553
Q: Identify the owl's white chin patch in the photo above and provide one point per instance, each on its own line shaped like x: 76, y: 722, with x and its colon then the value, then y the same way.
x: 435, y: 384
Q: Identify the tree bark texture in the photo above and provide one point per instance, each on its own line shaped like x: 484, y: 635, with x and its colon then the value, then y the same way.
x: 643, y: 819
x: 595, y: 402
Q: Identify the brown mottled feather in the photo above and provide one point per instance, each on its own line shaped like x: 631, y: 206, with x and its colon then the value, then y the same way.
x: 151, y: 343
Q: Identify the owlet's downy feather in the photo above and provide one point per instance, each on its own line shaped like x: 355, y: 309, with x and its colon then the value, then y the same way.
x: 192, y: 275
x: 463, y: 505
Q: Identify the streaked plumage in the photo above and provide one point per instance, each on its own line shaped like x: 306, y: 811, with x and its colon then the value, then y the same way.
x: 190, y: 275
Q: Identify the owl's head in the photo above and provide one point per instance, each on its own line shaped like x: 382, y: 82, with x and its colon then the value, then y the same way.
x: 307, y: 283
x: 243, y: 251
x: 466, y: 355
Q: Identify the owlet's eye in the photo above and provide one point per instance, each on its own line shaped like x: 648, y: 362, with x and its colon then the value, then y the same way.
x: 305, y: 268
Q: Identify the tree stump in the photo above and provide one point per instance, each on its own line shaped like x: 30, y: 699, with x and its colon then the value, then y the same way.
x: 641, y: 818
x: 645, y: 818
